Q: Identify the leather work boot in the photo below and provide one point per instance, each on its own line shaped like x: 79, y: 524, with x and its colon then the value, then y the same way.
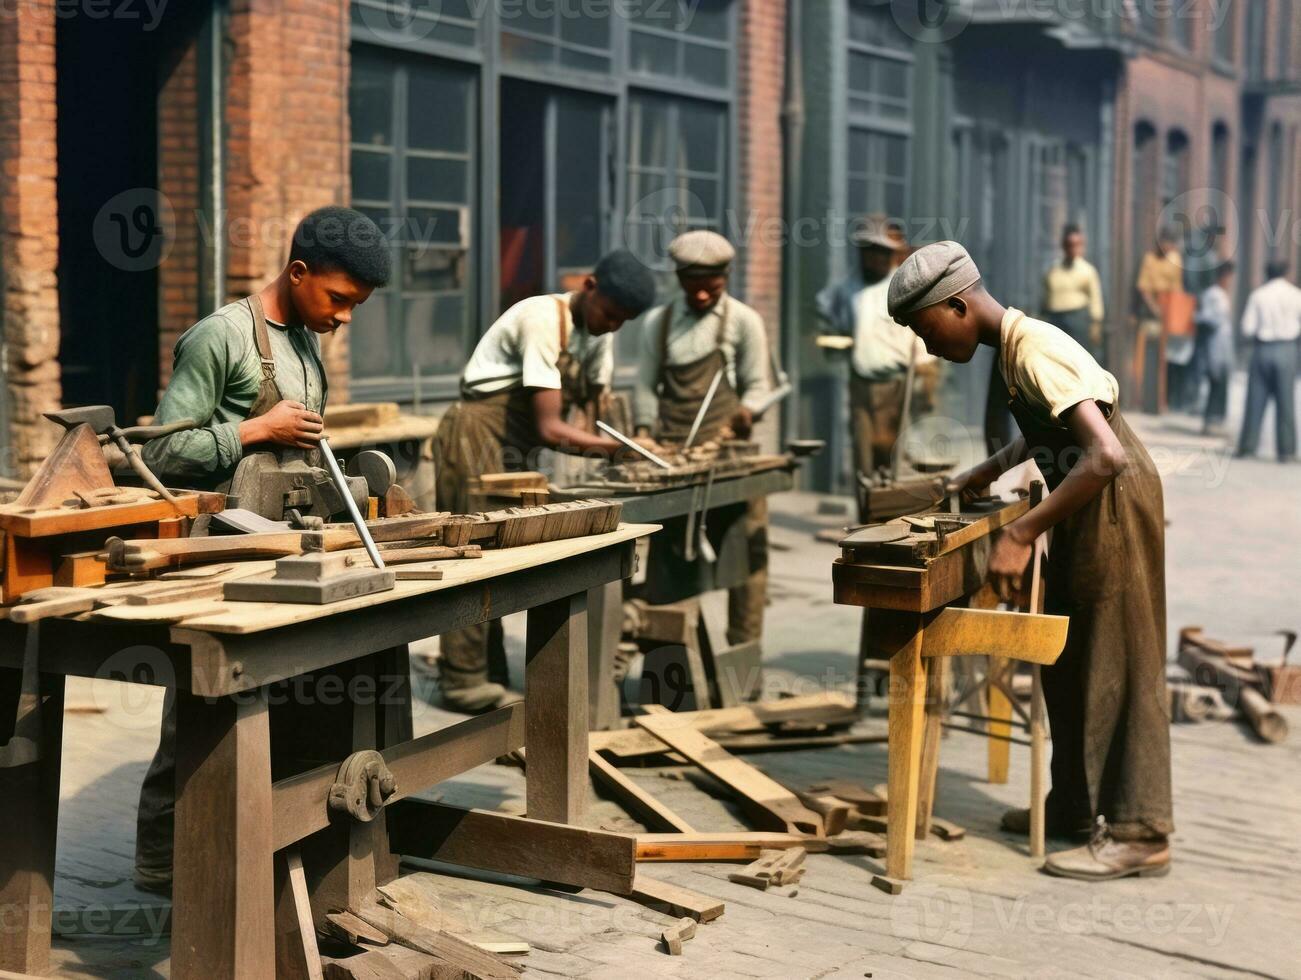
x: 1104, y: 858
x: 1017, y: 821
x: 478, y: 698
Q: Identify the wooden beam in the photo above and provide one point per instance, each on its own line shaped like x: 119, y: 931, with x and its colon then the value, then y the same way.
x: 699, y: 846
x: 514, y: 845
x: 1030, y: 637
x: 634, y: 799
x: 300, y: 802
x: 555, y: 709
x: 674, y: 900
x: 768, y: 801
x: 472, y: 960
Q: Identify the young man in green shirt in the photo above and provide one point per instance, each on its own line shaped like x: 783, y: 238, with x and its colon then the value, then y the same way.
x: 251, y: 374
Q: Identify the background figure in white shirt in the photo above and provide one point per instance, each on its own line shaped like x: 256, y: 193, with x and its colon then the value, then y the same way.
x: 1272, y: 322
x: 1214, y: 355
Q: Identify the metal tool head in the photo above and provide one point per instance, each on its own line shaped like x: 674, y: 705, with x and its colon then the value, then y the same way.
x: 100, y: 418
x: 376, y: 468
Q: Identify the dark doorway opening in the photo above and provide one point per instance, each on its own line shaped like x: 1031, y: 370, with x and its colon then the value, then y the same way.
x: 113, y: 225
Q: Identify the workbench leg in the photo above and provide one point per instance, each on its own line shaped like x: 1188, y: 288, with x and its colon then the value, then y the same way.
x: 555, y: 710
x: 31, y: 794
x: 1000, y: 708
x: 937, y: 671
x: 604, y: 627
x: 1038, y: 747
x: 223, y: 896
x: 897, y: 636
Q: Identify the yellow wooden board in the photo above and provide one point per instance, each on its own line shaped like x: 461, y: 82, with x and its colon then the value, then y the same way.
x: 1033, y: 638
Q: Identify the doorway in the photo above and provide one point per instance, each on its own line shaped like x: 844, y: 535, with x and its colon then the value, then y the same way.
x: 557, y: 174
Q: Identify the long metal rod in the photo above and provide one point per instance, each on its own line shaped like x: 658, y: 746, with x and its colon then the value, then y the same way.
x: 610, y: 431
x: 358, y: 521
x: 773, y: 397
x: 704, y: 407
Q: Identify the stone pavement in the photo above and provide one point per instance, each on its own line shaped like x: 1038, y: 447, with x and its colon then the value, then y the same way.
x: 976, y: 907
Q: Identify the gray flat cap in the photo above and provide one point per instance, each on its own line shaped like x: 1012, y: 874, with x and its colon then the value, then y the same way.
x: 931, y: 275
x: 701, y: 251
x: 878, y: 230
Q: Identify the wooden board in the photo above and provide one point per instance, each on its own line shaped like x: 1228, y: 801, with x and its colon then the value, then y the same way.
x: 1031, y: 637
x: 674, y: 900
x: 770, y: 804
x: 701, y: 846
x: 637, y: 801
x: 514, y: 845
x: 28, y: 523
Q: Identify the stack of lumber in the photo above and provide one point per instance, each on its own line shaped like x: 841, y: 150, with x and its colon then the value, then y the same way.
x: 1243, y: 683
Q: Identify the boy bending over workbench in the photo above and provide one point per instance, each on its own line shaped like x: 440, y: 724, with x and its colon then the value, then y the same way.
x: 1106, y: 695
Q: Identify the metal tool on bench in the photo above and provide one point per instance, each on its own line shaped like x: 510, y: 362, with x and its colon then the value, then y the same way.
x: 704, y: 407
x: 341, y: 482
x: 611, y: 431
x: 316, y: 577
x: 275, y: 484
x: 103, y: 422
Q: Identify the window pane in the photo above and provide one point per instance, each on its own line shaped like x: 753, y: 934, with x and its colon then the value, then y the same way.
x: 705, y: 199
x: 701, y: 136
x: 437, y: 179
x: 529, y: 18
x: 433, y: 269
x: 871, y: 22
x: 706, y: 65
x: 437, y: 226
x: 591, y: 30
x: 434, y: 327
x: 368, y: 339
x: 370, y: 102
x: 515, y: 47
x: 652, y: 54
x: 438, y: 110
x: 648, y: 131
x: 860, y: 73
x: 584, y: 61
x: 370, y: 175
x: 710, y: 19
x: 579, y: 130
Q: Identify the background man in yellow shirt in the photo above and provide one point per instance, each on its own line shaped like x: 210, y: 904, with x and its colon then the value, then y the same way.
x: 1072, y: 296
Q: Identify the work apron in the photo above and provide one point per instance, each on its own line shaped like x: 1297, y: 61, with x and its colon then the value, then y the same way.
x: 682, y: 390
x: 493, y: 433
x: 1108, y: 709
x: 155, y: 817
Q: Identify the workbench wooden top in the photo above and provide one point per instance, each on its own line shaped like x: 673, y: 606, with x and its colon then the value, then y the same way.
x: 229, y: 617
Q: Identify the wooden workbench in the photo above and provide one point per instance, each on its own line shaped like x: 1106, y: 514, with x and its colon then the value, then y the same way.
x: 722, y: 505
x: 915, y: 586
x: 250, y: 785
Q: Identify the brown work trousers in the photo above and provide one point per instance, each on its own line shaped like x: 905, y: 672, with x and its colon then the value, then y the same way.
x: 1108, y: 708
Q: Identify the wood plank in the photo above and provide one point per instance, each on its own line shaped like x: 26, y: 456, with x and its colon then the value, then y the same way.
x: 770, y: 804
x: 555, y: 709
x: 662, y: 896
x: 306, y: 954
x: 514, y: 845
x: 936, y: 681
x: 300, y: 804
x: 223, y: 907
x: 999, y: 750
x: 31, y: 794
x: 897, y: 636
x: 637, y: 801
x: 46, y: 523
x: 465, y: 956
x: 1029, y: 637
x: 702, y: 846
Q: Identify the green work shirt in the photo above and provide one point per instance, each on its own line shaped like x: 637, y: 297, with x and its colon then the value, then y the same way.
x: 215, y: 378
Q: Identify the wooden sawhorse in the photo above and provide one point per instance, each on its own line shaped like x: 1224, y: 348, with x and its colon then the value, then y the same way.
x: 917, y: 575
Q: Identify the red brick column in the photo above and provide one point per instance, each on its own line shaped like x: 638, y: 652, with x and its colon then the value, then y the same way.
x: 29, y: 232
x: 287, y: 144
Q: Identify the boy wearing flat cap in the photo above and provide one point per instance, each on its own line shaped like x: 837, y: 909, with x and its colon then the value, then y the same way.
x: 1106, y: 566
x: 543, y: 355
x: 686, y: 342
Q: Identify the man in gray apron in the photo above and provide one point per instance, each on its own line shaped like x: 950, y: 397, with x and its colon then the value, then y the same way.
x: 252, y: 373
x: 543, y: 357
x: 703, y: 330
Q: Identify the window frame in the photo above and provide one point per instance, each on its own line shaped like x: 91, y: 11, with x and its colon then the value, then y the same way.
x: 620, y: 85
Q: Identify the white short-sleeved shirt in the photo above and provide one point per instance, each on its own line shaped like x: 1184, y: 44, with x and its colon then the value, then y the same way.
x: 522, y: 348
x: 1048, y: 371
x: 882, y: 347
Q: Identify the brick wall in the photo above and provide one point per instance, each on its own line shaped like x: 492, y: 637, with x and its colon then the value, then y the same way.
x: 178, y: 179
x: 28, y: 232
x: 761, y: 67
x: 287, y: 144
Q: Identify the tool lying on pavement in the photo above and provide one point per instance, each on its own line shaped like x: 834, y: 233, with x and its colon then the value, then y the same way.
x: 1233, y: 671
